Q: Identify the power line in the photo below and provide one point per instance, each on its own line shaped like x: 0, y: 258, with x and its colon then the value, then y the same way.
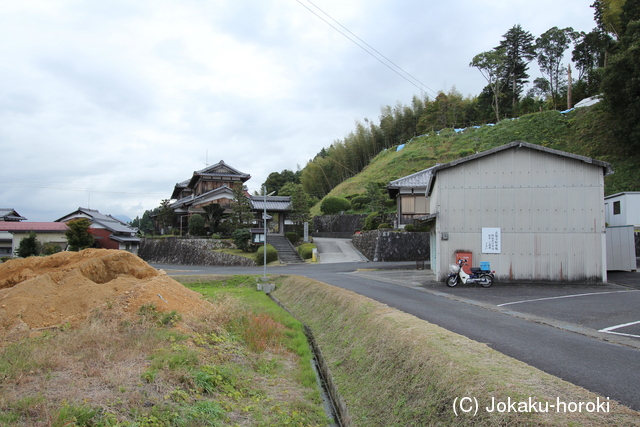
x: 413, y: 80
x: 33, y: 184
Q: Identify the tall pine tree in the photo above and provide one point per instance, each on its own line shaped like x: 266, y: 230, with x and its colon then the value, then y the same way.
x: 519, y: 49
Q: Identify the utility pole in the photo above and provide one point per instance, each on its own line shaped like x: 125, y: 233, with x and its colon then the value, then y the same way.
x: 569, y: 101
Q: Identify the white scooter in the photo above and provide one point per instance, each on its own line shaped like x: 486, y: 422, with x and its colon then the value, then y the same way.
x: 478, y: 275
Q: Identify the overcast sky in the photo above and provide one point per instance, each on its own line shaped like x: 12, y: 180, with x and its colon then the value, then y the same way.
x: 108, y: 104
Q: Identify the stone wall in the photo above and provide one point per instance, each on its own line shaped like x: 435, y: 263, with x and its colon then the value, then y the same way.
x: 388, y: 245
x: 175, y: 250
x: 338, y: 226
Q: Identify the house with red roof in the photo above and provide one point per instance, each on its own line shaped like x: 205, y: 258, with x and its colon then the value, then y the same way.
x: 12, y: 232
x: 109, y: 232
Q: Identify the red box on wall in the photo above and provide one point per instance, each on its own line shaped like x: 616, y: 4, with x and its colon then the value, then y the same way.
x: 467, y: 256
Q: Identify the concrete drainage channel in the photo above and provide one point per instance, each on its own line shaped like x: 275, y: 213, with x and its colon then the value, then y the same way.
x: 334, y: 406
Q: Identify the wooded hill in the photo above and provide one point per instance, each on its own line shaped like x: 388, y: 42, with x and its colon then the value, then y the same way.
x: 584, y: 131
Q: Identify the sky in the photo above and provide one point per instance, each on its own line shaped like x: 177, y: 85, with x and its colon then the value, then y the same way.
x: 108, y: 104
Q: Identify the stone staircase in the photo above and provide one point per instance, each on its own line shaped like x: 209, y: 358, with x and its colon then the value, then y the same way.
x: 286, y: 252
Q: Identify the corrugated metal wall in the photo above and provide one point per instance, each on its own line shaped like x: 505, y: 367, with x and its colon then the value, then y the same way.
x: 549, y: 209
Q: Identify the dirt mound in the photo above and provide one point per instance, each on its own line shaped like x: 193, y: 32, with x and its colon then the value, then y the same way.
x: 40, y: 292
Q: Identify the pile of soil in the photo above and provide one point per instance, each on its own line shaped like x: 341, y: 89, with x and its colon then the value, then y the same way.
x: 61, y: 289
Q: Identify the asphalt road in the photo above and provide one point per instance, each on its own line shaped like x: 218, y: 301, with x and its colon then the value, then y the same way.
x: 604, y: 367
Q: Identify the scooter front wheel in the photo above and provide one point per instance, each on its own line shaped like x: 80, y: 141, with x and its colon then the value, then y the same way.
x: 486, y: 280
x: 452, y: 281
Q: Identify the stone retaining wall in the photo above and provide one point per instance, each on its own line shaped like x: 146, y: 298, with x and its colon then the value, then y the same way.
x: 175, y: 250
x: 338, y: 226
x: 388, y: 245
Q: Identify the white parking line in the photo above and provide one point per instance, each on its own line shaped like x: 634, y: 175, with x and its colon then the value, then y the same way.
x: 565, y: 296
x: 610, y: 329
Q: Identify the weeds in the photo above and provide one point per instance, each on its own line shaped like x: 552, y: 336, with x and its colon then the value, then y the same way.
x: 237, y: 364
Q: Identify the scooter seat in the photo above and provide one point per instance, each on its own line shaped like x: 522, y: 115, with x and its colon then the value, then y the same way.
x: 476, y: 270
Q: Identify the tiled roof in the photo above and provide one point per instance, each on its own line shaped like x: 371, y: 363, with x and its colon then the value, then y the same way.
x: 9, y: 214
x: 274, y: 203
x: 107, y: 221
x: 418, y: 179
x: 33, y: 226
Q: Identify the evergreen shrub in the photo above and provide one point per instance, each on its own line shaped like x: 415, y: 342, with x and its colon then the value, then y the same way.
x: 334, y: 205
x: 306, y: 250
x: 272, y: 254
x: 292, y: 236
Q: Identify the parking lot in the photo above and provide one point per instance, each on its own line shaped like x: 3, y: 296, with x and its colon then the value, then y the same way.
x: 609, y: 311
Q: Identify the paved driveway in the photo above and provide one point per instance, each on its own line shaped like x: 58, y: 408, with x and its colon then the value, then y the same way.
x: 609, y: 311
x: 331, y: 251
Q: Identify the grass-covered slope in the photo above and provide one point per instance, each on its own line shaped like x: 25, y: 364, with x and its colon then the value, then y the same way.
x: 393, y: 369
x: 584, y: 131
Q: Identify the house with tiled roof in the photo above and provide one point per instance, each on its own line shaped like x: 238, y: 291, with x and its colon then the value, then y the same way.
x: 216, y: 184
x: 12, y: 232
x: 8, y: 214
x: 108, y: 231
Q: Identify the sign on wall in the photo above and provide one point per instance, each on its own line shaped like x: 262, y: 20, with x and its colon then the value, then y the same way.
x: 490, y: 240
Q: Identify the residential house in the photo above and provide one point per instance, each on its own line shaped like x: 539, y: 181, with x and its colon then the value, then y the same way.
x: 109, y: 232
x: 533, y: 213
x: 12, y: 232
x: 216, y: 184
x: 8, y: 214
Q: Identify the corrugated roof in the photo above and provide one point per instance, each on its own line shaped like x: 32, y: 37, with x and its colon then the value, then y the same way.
x: 425, y: 177
x: 33, y: 226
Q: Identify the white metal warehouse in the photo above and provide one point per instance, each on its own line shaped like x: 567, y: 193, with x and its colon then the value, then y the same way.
x: 533, y: 213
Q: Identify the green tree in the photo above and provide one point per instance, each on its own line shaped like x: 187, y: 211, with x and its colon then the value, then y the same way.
x: 242, y: 239
x: 213, y: 215
x: 608, y: 16
x: 519, y: 50
x: 301, y: 204
x: 29, y: 246
x: 78, y: 235
x: 165, y: 215
x: 196, y: 225
x: 241, y: 213
x: 493, y: 66
x: 276, y: 180
x: 590, y: 57
x: 377, y: 192
x: 144, y: 224
x: 550, y: 48
x: 334, y: 205
x: 621, y: 85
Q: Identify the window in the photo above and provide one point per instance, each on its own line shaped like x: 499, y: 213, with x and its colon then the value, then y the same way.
x: 616, y: 208
x: 408, y: 204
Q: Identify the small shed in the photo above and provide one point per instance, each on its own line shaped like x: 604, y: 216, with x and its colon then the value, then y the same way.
x: 533, y: 213
x: 623, y: 209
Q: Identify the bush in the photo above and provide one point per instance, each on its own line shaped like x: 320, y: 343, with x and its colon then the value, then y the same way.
x: 292, y: 236
x: 50, y: 248
x: 306, y: 250
x: 196, y: 225
x: 360, y: 202
x: 373, y: 221
x: 409, y: 227
x: 29, y: 246
x: 333, y: 205
x: 272, y: 254
x: 242, y: 239
x: 384, y: 225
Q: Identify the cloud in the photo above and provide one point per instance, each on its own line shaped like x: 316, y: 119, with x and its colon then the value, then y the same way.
x: 109, y: 104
